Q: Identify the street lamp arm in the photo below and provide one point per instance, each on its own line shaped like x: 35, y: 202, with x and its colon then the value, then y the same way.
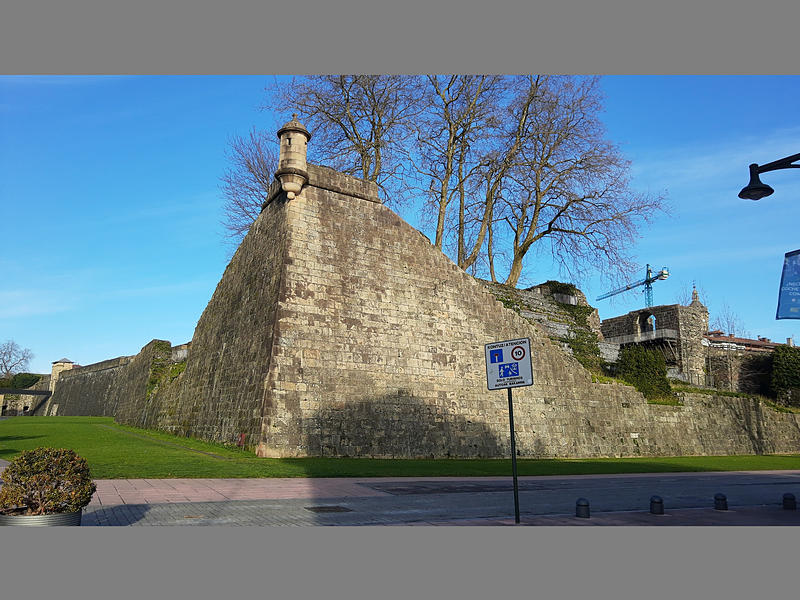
x: 781, y: 163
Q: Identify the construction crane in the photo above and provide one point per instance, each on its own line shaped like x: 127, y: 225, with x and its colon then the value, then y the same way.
x: 647, y: 282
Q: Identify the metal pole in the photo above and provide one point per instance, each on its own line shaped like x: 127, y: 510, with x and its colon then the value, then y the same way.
x: 513, y: 456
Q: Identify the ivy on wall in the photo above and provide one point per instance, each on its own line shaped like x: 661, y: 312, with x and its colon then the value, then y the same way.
x: 786, y: 374
x: 646, y: 370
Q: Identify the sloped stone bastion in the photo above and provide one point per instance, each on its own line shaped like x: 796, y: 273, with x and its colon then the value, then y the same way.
x: 337, y: 329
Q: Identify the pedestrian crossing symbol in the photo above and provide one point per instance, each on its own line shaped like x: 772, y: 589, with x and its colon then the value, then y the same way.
x: 509, y: 370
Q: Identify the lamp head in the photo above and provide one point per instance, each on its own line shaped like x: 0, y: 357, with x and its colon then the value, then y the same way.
x: 755, y: 190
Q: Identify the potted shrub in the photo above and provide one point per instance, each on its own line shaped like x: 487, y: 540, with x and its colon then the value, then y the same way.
x: 45, y: 486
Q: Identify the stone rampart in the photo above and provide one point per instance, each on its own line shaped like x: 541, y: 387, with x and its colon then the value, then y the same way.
x: 378, y: 351
x: 84, y: 392
x: 338, y: 330
x: 220, y: 394
x: 118, y: 387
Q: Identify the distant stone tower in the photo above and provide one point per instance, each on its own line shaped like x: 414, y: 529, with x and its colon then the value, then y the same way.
x: 292, y: 167
x: 59, y: 366
x: 695, y: 297
x: 675, y: 330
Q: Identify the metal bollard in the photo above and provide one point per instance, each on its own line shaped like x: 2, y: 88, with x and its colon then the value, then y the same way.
x: 720, y: 502
x: 656, y: 505
x: 582, y: 508
x: 789, y: 502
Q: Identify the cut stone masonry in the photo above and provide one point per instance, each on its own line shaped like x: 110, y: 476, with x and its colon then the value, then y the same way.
x: 338, y: 330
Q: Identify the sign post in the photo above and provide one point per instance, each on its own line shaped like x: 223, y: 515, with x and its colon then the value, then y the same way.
x: 508, y: 365
x: 513, y: 456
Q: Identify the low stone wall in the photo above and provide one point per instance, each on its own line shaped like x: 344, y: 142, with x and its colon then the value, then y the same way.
x: 15, y: 404
x: 723, y: 425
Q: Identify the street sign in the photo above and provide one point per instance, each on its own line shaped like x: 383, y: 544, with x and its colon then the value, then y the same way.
x: 508, y: 364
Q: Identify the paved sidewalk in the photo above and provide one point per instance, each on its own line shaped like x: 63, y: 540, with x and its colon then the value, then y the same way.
x: 754, y: 498
x: 112, y: 492
x: 302, y: 513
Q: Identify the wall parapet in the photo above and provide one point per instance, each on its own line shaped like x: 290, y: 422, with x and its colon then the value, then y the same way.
x: 646, y: 336
x: 111, y: 363
x: 326, y: 178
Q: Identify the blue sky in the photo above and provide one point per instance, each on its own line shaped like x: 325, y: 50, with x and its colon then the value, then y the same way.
x: 109, y: 188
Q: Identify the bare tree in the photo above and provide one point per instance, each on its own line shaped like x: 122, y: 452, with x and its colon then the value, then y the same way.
x: 245, y: 184
x: 734, y: 369
x: 727, y: 321
x: 13, y: 359
x: 361, y: 123
x: 459, y: 113
x: 496, y: 166
x: 526, y: 162
x: 571, y: 188
x: 504, y: 164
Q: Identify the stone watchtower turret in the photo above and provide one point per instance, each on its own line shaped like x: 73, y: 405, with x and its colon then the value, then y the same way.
x: 292, y: 166
x: 63, y: 364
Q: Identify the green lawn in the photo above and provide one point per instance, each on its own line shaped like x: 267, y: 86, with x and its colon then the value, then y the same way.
x: 116, y: 451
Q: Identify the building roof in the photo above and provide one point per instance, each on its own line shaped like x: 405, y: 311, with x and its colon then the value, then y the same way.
x: 294, y: 125
x: 63, y: 360
x: 717, y: 337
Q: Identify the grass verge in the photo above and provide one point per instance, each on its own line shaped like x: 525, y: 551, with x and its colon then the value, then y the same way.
x: 118, y: 452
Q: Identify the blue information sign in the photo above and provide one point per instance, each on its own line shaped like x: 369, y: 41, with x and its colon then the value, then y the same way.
x: 789, y: 293
x: 508, y: 364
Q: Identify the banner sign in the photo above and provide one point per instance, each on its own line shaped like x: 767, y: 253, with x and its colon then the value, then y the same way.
x: 789, y: 293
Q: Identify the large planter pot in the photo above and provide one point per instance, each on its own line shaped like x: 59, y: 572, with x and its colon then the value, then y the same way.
x: 54, y: 520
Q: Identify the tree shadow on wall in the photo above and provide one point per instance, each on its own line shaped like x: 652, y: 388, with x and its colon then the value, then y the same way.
x: 398, y: 426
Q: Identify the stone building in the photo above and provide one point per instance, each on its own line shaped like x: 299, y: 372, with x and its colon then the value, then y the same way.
x: 675, y: 330
x: 739, y: 364
x: 692, y: 353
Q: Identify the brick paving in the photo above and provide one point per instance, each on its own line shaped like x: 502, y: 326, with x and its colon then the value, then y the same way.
x: 132, y: 491
x: 297, y: 513
x: 616, y: 500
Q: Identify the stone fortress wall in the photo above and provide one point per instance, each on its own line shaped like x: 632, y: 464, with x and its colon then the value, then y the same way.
x: 17, y: 404
x: 337, y: 329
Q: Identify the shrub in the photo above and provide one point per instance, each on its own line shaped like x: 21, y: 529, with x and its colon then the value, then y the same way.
x: 557, y: 287
x: 786, y: 374
x: 585, y: 350
x: 46, y: 481
x: 646, y: 370
x: 20, y: 381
